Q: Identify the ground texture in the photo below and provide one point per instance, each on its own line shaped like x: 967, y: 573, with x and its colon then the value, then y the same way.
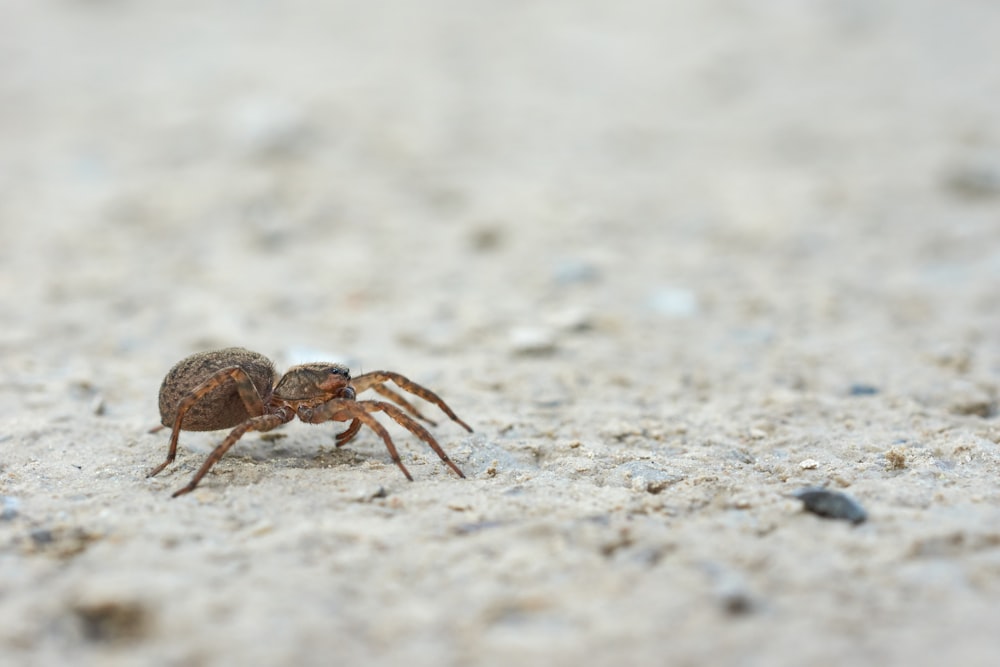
x: 671, y: 261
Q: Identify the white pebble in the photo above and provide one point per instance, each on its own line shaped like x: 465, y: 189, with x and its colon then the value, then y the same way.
x: 673, y: 302
x: 532, y: 340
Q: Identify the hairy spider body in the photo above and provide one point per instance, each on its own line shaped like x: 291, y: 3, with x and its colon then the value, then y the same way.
x: 235, y: 387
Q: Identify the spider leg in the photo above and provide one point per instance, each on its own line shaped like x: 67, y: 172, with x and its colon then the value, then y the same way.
x: 373, y: 379
x: 343, y: 409
x: 261, y: 423
x: 413, y: 427
x: 347, y: 435
x: 401, y: 402
x: 244, y: 385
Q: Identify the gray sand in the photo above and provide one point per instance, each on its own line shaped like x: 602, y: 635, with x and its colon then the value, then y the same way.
x: 672, y: 261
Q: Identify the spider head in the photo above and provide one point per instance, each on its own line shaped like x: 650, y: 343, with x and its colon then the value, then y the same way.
x: 315, y: 380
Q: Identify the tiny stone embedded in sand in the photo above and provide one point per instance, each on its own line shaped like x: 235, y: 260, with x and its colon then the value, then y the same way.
x: 831, y: 504
x: 532, y: 340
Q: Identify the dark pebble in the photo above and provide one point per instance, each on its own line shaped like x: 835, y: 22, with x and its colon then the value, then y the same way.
x: 974, y: 181
x: 831, y: 504
x: 863, y: 390
x: 113, y: 621
x: 42, y: 536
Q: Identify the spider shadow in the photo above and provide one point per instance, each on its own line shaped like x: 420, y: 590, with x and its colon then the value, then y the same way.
x: 302, y: 446
x: 302, y: 450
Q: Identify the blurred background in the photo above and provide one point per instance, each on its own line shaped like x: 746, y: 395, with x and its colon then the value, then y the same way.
x: 483, y: 179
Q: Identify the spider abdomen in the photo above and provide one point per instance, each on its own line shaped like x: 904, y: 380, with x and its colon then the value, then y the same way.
x: 222, y: 407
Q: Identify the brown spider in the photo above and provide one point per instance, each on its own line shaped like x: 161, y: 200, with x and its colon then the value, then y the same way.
x: 236, y: 387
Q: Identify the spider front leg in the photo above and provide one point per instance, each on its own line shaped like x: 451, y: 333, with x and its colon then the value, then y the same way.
x: 376, y: 380
x: 348, y: 434
x: 398, y: 399
x: 342, y: 410
x: 244, y: 386
x: 416, y: 429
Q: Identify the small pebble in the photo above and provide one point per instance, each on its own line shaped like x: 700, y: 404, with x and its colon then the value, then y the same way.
x: 111, y: 621
x: 831, y: 504
x: 860, y: 389
x: 532, y: 340
x: 741, y: 455
x: 269, y: 128
x: 575, y: 271
x: 571, y: 320
x: 97, y: 406
x: 486, y: 238
x: 42, y: 536
x: 973, y: 404
x: 974, y: 180
x: 737, y: 602
x: 368, y: 495
x: 10, y: 507
x: 809, y: 464
x: 673, y: 302
x: 475, y: 527
x: 741, y: 503
x: 642, y: 477
x: 619, y: 429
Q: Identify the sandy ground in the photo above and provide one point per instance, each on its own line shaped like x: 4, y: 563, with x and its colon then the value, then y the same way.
x: 672, y: 261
